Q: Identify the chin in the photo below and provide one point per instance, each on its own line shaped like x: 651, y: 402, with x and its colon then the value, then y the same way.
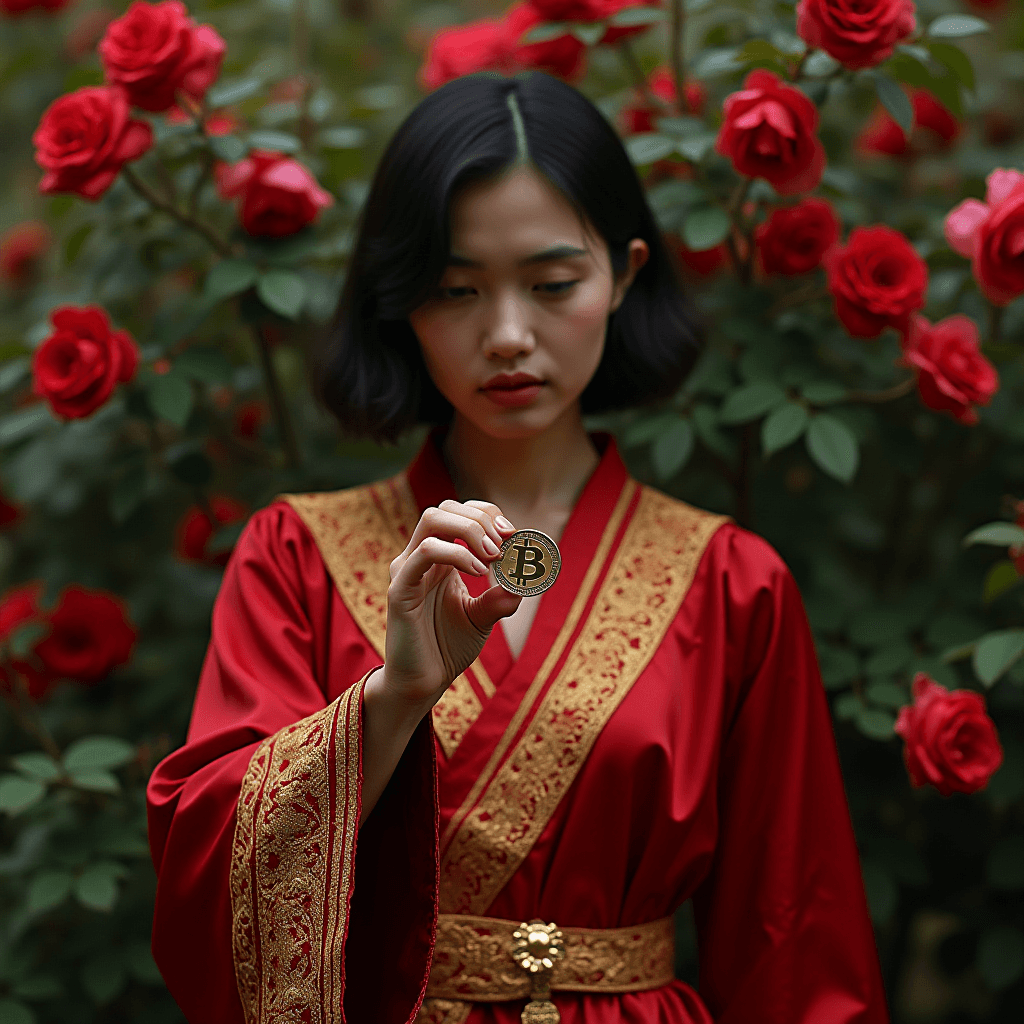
x: 513, y: 424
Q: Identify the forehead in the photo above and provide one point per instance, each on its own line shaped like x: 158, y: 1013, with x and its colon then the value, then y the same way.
x: 514, y: 215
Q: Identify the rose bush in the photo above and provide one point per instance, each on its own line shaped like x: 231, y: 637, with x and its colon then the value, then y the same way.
x: 858, y: 402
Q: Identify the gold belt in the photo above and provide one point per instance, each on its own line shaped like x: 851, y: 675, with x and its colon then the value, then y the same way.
x: 487, y: 959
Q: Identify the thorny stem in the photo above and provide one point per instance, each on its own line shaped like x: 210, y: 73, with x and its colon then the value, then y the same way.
x: 19, y: 703
x: 677, y: 56
x: 159, y: 203
x: 277, y: 401
x: 745, y: 268
x: 888, y: 395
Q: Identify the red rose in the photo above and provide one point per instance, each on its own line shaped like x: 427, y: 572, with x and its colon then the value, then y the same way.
x: 949, y: 740
x: 493, y: 45
x: 90, y: 634
x: 858, y: 33
x: 20, y: 605
x: 195, y: 528
x: 84, y: 138
x: 952, y: 374
x: 250, y: 417
x: 77, y: 367
x: 21, y: 248
x: 701, y: 262
x: 794, y: 238
x: 876, y: 280
x: 768, y: 132
x: 279, y: 196
x: 156, y: 49
x: 991, y: 234
x: 591, y: 10
x: 934, y: 128
x: 636, y: 116
x: 14, y: 8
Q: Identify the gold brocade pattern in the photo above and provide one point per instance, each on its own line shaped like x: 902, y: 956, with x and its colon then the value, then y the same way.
x: 443, y: 1011
x: 650, y: 575
x: 358, y: 532
x: 473, y: 959
x: 291, y: 866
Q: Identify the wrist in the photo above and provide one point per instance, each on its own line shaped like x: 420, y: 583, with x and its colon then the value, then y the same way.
x: 389, y: 702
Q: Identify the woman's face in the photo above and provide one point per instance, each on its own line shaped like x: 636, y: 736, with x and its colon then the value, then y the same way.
x: 516, y: 327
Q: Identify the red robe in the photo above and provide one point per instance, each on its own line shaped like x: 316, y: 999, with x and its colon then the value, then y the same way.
x: 663, y: 735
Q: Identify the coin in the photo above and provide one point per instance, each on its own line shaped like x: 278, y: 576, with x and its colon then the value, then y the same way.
x: 527, y: 563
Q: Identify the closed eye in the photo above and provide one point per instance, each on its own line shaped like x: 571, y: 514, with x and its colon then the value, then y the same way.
x: 550, y: 287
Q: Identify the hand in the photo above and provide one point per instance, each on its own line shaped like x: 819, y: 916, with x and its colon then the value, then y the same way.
x: 435, y: 629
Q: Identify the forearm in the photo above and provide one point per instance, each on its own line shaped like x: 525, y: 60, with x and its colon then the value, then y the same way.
x: 388, y: 724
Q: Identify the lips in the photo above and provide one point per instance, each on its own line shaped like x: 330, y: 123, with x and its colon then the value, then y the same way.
x: 511, y: 382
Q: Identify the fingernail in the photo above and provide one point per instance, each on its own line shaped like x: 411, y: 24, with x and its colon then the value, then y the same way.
x: 503, y: 524
x: 481, y: 569
x: 489, y: 546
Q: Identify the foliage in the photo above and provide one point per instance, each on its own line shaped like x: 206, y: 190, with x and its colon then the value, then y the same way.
x: 835, y: 427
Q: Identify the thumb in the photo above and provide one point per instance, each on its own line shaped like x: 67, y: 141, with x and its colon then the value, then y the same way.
x: 485, y: 610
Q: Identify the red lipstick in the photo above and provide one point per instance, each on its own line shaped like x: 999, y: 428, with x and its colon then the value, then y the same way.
x: 512, y: 389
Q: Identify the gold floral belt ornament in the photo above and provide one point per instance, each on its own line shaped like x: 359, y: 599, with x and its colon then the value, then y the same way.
x: 487, y: 959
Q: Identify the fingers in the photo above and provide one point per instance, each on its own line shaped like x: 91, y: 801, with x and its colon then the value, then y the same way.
x: 433, y: 551
x: 503, y: 526
x: 453, y: 521
x: 493, y: 604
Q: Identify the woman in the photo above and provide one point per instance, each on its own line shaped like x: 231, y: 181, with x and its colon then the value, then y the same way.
x: 381, y: 782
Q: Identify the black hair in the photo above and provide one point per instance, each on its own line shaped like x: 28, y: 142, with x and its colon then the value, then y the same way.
x: 367, y: 368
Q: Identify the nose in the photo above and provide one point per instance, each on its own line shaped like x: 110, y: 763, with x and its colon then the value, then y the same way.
x: 508, y: 334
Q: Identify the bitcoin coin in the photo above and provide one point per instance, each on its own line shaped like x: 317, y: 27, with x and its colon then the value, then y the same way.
x: 527, y: 563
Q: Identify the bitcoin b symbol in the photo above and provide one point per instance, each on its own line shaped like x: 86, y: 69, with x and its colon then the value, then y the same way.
x: 529, y: 564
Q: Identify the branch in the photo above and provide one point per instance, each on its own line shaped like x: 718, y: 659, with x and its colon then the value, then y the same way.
x: 888, y: 395
x: 277, y: 401
x: 165, y: 206
x: 20, y: 703
x: 676, y: 50
x: 639, y: 78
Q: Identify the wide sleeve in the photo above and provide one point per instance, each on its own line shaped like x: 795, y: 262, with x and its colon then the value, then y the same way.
x: 783, y: 927
x: 268, y: 893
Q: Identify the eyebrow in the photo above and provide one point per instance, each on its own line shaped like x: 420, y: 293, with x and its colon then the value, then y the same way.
x: 556, y: 252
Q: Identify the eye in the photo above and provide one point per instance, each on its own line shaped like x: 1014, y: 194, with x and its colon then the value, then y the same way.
x: 558, y: 287
x: 446, y: 293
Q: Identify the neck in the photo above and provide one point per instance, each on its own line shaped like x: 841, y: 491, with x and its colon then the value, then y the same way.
x: 527, y: 476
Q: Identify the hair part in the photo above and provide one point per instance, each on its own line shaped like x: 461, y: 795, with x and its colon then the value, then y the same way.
x: 368, y: 369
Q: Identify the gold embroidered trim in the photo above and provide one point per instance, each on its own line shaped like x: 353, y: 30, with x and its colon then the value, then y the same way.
x: 564, y: 635
x: 358, y: 532
x: 291, y: 866
x: 443, y: 1011
x: 473, y: 959
x: 650, y: 575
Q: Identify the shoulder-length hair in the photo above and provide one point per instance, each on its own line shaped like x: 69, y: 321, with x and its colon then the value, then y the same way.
x: 367, y: 368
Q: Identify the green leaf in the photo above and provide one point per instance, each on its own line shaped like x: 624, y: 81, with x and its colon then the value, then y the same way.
x: 14, y: 1012
x: 225, y: 538
x: 839, y: 665
x: 229, y: 277
x: 75, y: 241
x: 233, y: 91
x: 545, y: 32
x: 96, y: 887
x: 996, y: 652
x: 887, y: 694
x: 98, y: 752
x: 695, y: 147
x: 1005, y: 869
x: 17, y: 793
x: 895, y: 100
x: 645, y: 430
x: 672, y: 449
x: 127, y: 493
x: 587, y: 32
x: 783, y: 426
x: 104, y: 976
x: 342, y: 137
x: 37, y: 765
x: 274, y: 142
x: 38, y: 986
x: 890, y: 658
x: 956, y: 60
x: 170, y: 397
x: 630, y: 16
x: 1001, y: 956
x: 875, y: 723
x: 205, y: 363
x: 823, y: 392
x: 751, y: 401
x: 14, y: 372
x: 228, y: 147
x: 282, y: 291
x: 956, y: 26
x: 646, y: 147
x: 705, y: 423
x: 48, y: 889
x: 999, y: 579
x: 882, y: 892
x: 24, y: 637
x: 96, y: 780
x: 1001, y: 535
x: 143, y: 966
x: 25, y: 422
x: 705, y: 227
x: 832, y: 445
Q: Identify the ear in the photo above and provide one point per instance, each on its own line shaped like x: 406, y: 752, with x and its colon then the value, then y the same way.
x: 637, y: 255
